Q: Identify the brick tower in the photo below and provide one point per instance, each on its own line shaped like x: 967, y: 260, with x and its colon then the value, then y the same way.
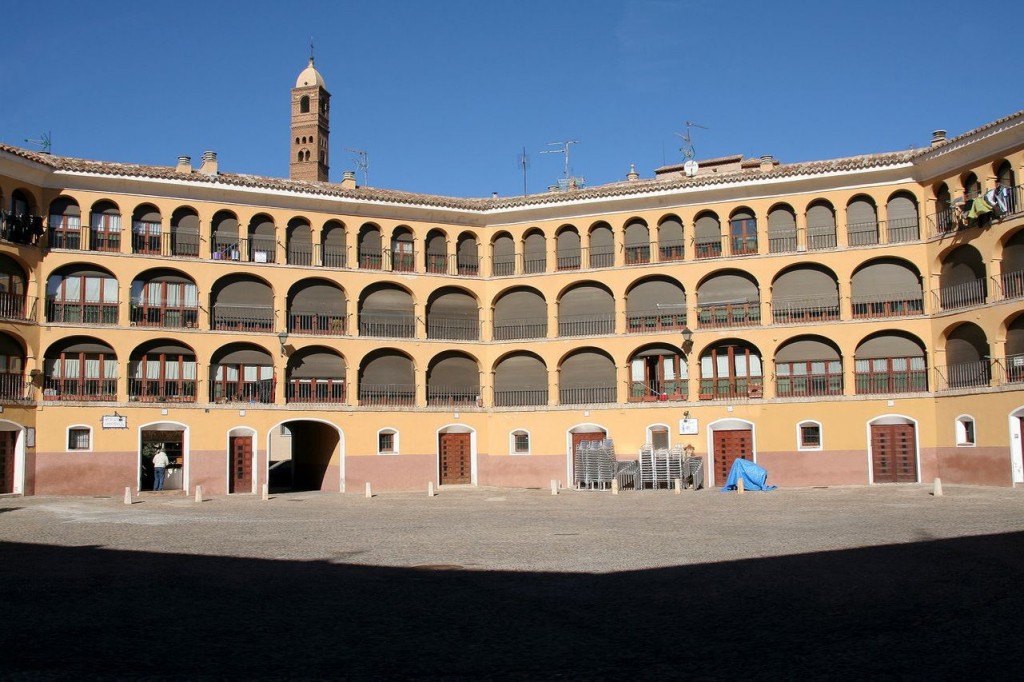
x: 311, y: 115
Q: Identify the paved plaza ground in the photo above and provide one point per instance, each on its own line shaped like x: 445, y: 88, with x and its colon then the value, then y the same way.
x: 882, y: 582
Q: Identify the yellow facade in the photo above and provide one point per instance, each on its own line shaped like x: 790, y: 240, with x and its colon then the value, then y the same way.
x: 448, y: 340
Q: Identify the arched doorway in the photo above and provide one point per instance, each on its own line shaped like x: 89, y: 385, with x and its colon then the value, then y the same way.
x: 456, y: 455
x: 892, y: 450
x: 576, y: 435
x: 730, y: 439
x: 303, y: 455
x: 12, y: 458
x: 1017, y: 445
x: 172, y: 437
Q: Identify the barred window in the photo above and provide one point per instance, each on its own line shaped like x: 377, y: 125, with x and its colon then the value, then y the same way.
x: 520, y: 443
x: 79, y: 438
x: 810, y: 436
x: 387, y: 442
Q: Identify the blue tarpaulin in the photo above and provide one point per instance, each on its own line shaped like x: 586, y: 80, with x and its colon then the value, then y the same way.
x: 753, y: 476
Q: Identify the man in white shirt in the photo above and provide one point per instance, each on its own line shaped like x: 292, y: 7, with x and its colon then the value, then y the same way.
x: 160, y: 462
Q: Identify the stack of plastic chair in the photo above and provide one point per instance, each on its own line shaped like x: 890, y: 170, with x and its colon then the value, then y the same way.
x: 647, y: 476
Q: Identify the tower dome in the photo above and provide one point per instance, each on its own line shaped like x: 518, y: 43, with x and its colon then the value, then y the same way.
x: 310, y: 77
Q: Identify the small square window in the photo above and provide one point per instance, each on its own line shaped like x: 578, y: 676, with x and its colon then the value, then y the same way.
x: 386, y: 442
x: 521, y: 443
x: 965, y: 431
x: 78, y: 439
x: 810, y: 436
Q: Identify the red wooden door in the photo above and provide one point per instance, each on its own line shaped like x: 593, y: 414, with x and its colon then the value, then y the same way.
x: 455, y: 458
x: 893, y: 453
x: 240, y: 479
x: 7, y: 441
x: 730, y: 446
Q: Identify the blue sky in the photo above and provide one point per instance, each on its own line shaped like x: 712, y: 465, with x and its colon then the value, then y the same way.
x: 445, y: 95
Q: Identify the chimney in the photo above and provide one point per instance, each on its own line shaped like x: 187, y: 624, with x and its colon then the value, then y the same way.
x: 767, y: 163
x: 632, y: 175
x: 209, y: 166
x: 938, y: 137
x: 348, y: 180
x: 184, y: 164
x: 494, y: 195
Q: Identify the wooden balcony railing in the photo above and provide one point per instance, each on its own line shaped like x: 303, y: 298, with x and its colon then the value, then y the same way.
x: 327, y: 390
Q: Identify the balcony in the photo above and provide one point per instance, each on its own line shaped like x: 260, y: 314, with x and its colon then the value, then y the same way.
x: 586, y: 325
x: 17, y: 307
x: 317, y: 324
x: 731, y: 387
x: 453, y: 328
x: 803, y: 311
x: 389, y: 325
x: 668, y: 389
x: 453, y: 395
x: 963, y: 375
x: 167, y: 317
x: 242, y: 318
x: 586, y: 394
x: 25, y: 229
x: 809, y: 385
x: 79, y: 389
x: 387, y: 394
x: 162, y: 390
x: 961, y: 295
x: 521, y: 397
x: 890, y: 375
x: 327, y: 390
x: 638, y: 254
x: 15, y: 388
x: 729, y: 315
x: 87, y: 312
x: 902, y: 230
x: 708, y: 248
x: 669, y: 318
x: 862, y: 234
x: 523, y: 328
x: 1012, y: 369
x: 895, y: 304
x: 237, y: 391
x: 1011, y: 285
x: 669, y: 251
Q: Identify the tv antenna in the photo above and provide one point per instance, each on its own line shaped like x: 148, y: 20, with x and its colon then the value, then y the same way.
x: 687, y: 148
x: 362, y: 163
x: 689, y: 166
x: 564, y: 151
x: 44, y: 143
x: 523, y: 162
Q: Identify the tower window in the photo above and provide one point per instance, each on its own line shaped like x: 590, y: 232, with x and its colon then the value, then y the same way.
x: 304, y: 104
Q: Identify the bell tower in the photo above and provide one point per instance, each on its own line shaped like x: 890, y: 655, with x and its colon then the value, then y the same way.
x: 311, y: 116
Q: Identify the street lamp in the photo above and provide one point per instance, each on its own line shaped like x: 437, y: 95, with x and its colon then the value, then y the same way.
x: 283, y: 338
x: 687, y: 339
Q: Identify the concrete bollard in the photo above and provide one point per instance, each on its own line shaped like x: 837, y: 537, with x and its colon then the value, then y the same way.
x: 739, y: 486
x: 369, y: 493
x: 266, y: 492
x: 615, y: 486
x: 127, y: 494
x: 199, y: 493
x: 430, y: 488
x: 937, y: 487
x: 679, y: 486
x: 554, y: 487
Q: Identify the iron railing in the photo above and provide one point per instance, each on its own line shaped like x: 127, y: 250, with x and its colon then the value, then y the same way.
x: 895, y: 304
x: 520, y: 396
x: 395, y: 325
x: 729, y: 315
x: 242, y: 318
x: 807, y: 310
x: 453, y: 328
x: 387, y: 394
x: 961, y: 295
x: 438, y: 394
x: 162, y: 390
x: 523, y: 328
x: 586, y: 394
x: 319, y: 324
x: 327, y: 390
x: 586, y: 325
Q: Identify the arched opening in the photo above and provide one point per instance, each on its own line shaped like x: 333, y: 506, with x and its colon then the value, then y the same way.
x: 303, y: 455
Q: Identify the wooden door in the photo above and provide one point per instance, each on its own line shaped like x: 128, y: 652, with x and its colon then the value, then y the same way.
x: 893, y: 453
x: 730, y: 446
x: 455, y: 458
x: 7, y: 441
x: 240, y: 478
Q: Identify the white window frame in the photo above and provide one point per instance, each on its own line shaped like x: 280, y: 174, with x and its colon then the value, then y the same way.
x: 960, y: 428
x: 394, y: 442
x: 800, y: 436
x: 78, y: 427
x: 512, y: 443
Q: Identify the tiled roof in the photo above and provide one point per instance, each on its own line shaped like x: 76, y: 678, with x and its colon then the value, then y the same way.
x: 373, y: 194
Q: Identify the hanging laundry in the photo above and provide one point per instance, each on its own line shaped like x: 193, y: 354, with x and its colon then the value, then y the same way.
x: 978, y: 208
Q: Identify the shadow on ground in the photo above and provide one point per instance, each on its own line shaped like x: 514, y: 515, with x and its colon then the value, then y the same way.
x: 932, y: 609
